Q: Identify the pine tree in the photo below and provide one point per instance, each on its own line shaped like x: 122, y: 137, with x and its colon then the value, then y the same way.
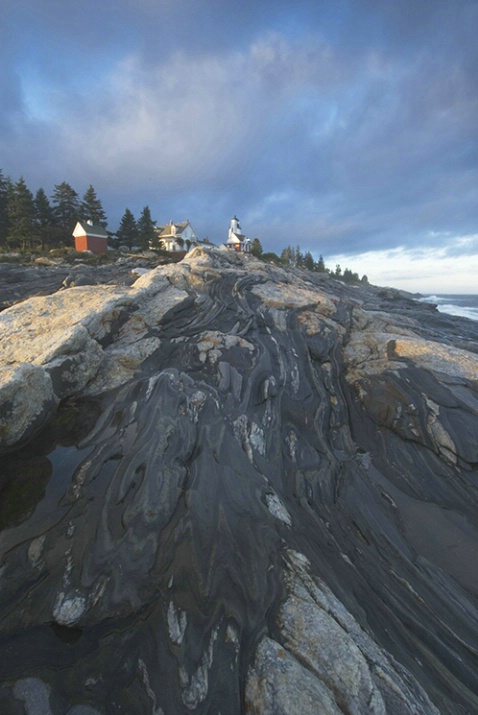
x: 287, y: 256
x: 45, y: 219
x: 66, y: 209
x: 128, y: 230
x: 146, y: 232
x: 92, y: 209
x: 271, y: 257
x: 321, y: 264
x: 22, y: 230
x: 308, y: 262
x: 6, y: 188
x: 256, y: 248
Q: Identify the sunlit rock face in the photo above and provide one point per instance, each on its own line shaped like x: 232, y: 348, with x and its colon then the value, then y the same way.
x: 255, y: 492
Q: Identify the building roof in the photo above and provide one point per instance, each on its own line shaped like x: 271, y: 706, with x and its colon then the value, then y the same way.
x: 164, y: 231
x: 83, y: 228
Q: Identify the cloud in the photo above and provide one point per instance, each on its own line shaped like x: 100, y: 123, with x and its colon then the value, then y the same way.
x: 425, y: 270
x: 186, y: 119
x: 462, y: 247
x: 322, y: 124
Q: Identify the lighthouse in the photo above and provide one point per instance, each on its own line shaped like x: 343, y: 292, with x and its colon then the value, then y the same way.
x: 236, y: 239
x: 234, y: 227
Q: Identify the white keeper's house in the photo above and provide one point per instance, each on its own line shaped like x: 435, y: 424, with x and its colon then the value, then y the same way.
x: 176, y: 236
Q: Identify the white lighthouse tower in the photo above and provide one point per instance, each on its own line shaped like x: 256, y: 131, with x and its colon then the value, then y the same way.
x: 234, y: 227
x: 236, y: 239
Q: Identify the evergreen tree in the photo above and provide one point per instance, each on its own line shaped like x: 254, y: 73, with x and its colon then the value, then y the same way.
x: 22, y: 230
x: 338, y: 271
x: 364, y: 280
x: 299, y: 258
x: 128, y: 230
x: 271, y: 257
x: 308, y: 262
x: 321, y: 264
x: 66, y: 209
x: 349, y: 276
x: 287, y: 256
x: 92, y: 209
x: 44, y: 219
x: 256, y: 248
x: 5, y: 192
x: 146, y: 232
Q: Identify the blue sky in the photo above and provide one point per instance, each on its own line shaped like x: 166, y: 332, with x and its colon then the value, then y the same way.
x: 348, y: 127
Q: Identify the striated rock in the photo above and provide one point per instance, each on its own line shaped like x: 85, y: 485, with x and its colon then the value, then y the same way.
x: 418, y: 389
x: 277, y: 684
x: 256, y: 491
x: 21, y: 281
x: 328, y: 655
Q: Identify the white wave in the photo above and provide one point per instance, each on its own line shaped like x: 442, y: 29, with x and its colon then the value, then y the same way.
x: 433, y: 299
x: 460, y: 310
x: 454, y: 305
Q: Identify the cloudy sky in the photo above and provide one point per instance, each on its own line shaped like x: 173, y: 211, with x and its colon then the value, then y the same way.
x: 349, y: 127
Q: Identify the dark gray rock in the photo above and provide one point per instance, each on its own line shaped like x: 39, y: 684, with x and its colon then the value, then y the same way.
x: 18, y: 282
x: 273, y: 510
x: 21, y: 281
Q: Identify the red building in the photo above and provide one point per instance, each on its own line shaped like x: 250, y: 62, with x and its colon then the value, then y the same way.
x: 89, y: 237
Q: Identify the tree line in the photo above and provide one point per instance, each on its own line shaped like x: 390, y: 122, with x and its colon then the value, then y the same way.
x: 30, y: 220
x: 291, y: 256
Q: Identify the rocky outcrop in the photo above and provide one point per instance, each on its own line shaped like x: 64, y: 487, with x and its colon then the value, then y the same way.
x: 44, y: 276
x: 255, y: 492
x: 83, y: 340
x: 326, y: 662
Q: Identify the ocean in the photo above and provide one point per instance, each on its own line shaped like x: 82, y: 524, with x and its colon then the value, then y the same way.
x: 466, y: 306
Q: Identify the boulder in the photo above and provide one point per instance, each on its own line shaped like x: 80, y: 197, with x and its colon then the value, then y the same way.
x: 27, y: 401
